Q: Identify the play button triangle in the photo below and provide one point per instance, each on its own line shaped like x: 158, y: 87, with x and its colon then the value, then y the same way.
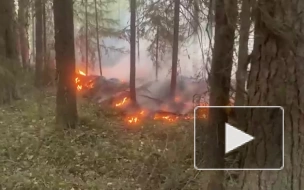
x: 235, y: 138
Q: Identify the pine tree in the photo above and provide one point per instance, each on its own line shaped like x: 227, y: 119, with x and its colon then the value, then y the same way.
x: 66, y: 108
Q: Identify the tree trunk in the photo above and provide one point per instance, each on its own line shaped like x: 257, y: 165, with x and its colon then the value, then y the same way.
x: 196, y: 15
x: 66, y: 109
x: 8, y: 53
x: 211, y: 10
x: 175, y: 50
x: 86, y: 39
x: 133, y: 52
x: 8, y: 30
x: 156, y: 54
x: 23, y: 27
x: 276, y: 79
x: 39, y: 43
x: 241, y: 73
x: 97, y: 38
x: 47, y: 67
x: 33, y: 34
x: 225, y: 21
x: 44, y: 34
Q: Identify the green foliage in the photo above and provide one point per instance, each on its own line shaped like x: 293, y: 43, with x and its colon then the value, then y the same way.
x: 158, y: 16
x: 107, y: 26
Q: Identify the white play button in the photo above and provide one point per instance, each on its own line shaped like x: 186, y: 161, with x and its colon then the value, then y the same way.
x: 235, y: 138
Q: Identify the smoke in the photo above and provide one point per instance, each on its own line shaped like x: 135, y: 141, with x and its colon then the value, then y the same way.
x: 189, y: 64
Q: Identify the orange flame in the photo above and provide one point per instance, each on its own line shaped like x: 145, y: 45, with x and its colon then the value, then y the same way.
x: 132, y: 119
x: 166, y: 117
x: 81, y: 73
x: 79, y: 83
x: 122, y: 102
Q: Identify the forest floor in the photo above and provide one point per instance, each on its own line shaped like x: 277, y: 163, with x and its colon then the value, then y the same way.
x: 101, y: 153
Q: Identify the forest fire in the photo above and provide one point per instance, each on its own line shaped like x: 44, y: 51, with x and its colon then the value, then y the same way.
x: 160, y: 116
x: 135, y: 118
x: 80, y: 84
x: 166, y: 117
x: 84, y: 82
x: 123, y: 102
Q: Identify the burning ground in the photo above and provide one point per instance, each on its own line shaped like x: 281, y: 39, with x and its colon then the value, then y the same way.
x: 103, y: 152
x: 152, y: 97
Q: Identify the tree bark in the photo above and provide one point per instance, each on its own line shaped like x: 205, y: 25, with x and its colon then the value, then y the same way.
x: 133, y: 52
x: 276, y: 78
x: 220, y: 76
x: 86, y: 39
x: 39, y: 43
x: 175, y: 50
x: 156, y: 54
x: 97, y: 38
x: 33, y: 59
x: 23, y: 27
x: 8, y: 33
x: 241, y: 73
x: 44, y: 16
x: 8, y: 53
x: 66, y: 109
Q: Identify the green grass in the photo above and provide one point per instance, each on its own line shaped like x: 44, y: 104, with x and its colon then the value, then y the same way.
x: 101, y: 153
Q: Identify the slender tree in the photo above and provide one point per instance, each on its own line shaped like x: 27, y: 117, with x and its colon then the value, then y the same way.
x: 225, y: 23
x: 175, y: 49
x: 86, y: 38
x: 243, y: 57
x: 66, y: 108
x: 133, y: 52
x: 23, y: 27
x: 39, y: 43
x: 97, y: 37
x: 156, y: 54
x: 44, y: 20
x: 33, y: 33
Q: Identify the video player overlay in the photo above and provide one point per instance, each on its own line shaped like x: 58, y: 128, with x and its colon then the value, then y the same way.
x: 239, y: 138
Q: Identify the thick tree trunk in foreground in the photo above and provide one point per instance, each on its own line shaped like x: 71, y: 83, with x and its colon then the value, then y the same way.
x: 276, y: 79
x: 39, y: 43
x: 133, y: 52
x: 175, y: 50
x: 66, y: 108
x: 241, y: 73
x: 23, y: 36
x: 8, y: 53
x: 7, y: 28
x: 225, y: 20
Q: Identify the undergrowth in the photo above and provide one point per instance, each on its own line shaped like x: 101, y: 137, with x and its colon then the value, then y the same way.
x: 101, y: 153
